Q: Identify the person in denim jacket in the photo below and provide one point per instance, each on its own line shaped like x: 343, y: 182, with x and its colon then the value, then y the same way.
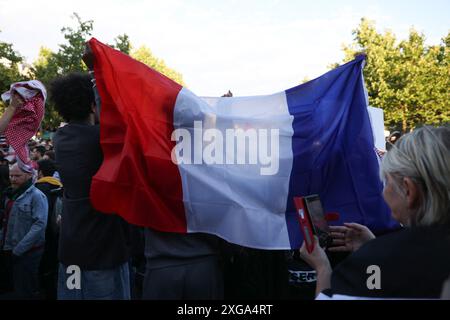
x: 22, y: 234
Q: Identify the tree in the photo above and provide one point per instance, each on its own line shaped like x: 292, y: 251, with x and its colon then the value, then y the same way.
x: 145, y: 55
x: 408, y: 79
x: 49, y: 65
x: 9, y: 67
x: 69, y: 55
x: 123, y: 44
x: 46, y: 69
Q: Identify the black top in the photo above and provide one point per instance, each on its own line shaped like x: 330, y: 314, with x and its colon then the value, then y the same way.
x: 414, y: 263
x: 47, y: 189
x: 88, y: 238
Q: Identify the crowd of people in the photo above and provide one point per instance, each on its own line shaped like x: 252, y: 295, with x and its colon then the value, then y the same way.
x: 48, y: 225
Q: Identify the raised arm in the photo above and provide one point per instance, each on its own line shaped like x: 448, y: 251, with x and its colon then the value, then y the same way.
x: 318, y: 260
x: 15, y: 102
x: 88, y: 57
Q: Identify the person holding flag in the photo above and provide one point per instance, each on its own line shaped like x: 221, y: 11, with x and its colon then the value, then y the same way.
x: 93, y: 243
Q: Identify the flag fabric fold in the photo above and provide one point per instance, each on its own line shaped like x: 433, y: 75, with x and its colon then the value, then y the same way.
x: 322, y: 143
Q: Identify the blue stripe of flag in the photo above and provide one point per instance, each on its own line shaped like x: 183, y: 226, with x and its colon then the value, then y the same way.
x: 332, y: 149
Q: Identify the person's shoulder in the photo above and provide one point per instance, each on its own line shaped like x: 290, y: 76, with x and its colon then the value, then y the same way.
x: 78, y: 131
x: 45, y: 187
x: 61, y: 131
x: 382, y: 246
x: 36, y: 193
x: 390, y: 240
x: 42, y: 186
x: 406, y: 242
x: 78, y: 126
x: 414, y: 234
x: 401, y: 257
x: 87, y: 131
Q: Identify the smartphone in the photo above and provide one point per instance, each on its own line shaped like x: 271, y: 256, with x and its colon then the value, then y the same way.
x: 318, y: 221
x: 305, y: 223
x: 312, y: 221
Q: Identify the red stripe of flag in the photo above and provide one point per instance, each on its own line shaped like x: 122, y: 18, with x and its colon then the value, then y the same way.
x: 137, y: 179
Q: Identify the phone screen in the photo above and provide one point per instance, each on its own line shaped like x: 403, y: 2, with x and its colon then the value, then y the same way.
x: 320, y: 224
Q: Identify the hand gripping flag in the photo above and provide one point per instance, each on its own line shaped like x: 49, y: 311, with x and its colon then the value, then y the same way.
x: 322, y: 144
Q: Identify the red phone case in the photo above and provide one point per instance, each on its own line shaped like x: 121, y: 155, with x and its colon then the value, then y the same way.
x: 305, y: 223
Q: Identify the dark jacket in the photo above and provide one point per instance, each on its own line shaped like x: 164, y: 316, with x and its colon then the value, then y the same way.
x: 49, y: 259
x: 88, y: 238
x: 46, y: 185
x: 413, y: 262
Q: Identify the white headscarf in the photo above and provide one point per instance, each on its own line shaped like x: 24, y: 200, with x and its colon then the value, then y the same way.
x: 26, y: 89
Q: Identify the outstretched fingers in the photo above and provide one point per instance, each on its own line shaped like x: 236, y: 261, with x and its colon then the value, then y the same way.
x: 338, y: 249
x: 355, y: 226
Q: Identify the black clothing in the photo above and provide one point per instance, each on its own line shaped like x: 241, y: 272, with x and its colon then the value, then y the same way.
x: 254, y: 273
x: 48, y: 269
x: 88, y: 238
x: 414, y: 263
x: 182, y: 266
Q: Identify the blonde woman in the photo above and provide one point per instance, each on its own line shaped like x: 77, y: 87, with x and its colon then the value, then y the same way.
x: 415, y: 261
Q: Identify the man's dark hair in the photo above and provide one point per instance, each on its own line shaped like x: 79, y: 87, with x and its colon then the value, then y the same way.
x: 32, y: 144
x: 72, y: 96
x: 40, y: 149
x: 4, y: 177
x: 50, y: 154
x: 47, y: 167
x: 3, y: 161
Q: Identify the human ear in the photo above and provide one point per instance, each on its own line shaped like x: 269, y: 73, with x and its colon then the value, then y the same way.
x: 413, y: 193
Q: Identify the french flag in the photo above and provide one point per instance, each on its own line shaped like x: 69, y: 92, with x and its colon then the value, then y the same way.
x: 319, y: 141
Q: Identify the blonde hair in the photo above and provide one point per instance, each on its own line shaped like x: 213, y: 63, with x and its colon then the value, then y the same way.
x: 424, y: 156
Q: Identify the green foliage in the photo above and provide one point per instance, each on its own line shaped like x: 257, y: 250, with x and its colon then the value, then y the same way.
x: 408, y: 79
x: 9, y: 68
x: 306, y: 79
x: 68, y: 58
x: 145, y: 55
x: 46, y: 66
x: 8, y: 75
x: 7, y: 52
x: 50, y: 65
x: 46, y: 69
x: 123, y: 44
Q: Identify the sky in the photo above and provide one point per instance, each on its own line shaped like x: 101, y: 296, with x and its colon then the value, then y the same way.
x: 251, y: 47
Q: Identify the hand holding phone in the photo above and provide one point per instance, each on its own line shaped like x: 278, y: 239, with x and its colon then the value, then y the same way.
x: 312, y: 221
x: 305, y: 224
x: 317, y: 258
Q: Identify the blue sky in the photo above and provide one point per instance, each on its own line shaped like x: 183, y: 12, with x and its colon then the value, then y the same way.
x: 248, y: 46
